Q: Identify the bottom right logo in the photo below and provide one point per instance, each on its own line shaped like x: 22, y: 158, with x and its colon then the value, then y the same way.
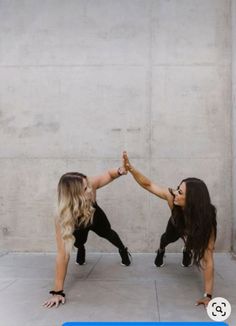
x: 219, y: 309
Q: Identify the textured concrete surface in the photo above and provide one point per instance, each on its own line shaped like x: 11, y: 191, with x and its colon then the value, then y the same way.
x: 153, y: 77
x: 103, y: 290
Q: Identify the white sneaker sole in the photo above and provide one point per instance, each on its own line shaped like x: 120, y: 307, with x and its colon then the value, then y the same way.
x: 125, y: 265
x: 186, y: 266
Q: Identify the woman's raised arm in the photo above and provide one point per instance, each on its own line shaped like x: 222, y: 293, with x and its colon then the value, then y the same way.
x: 146, y: 183
x: 107, y: 177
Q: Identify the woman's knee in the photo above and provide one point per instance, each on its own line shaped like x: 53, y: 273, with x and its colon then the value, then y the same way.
x: 166, y: 239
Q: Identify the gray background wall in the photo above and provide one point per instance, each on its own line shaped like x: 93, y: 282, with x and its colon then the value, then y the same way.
x: 83, y: 80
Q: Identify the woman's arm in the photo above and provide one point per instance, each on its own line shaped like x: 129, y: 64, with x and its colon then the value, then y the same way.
x: 107, y: 177
x: 146, y: 183
x: 208, y: 273
x: 62, y: 261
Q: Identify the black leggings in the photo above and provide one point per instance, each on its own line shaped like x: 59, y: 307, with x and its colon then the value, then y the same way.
x: 171, y: 235
x: 102, y: 227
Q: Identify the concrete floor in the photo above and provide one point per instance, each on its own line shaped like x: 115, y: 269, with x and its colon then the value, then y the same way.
x: 103, y: 290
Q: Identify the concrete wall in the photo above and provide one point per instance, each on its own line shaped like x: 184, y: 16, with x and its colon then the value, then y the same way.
x: 83, y: 80
x: 234, y: 119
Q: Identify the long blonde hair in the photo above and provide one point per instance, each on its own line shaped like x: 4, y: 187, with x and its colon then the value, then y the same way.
x: 75, y: 206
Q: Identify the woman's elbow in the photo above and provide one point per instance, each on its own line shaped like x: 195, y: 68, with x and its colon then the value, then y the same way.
x: 208, y: 262
x: 209, y: 265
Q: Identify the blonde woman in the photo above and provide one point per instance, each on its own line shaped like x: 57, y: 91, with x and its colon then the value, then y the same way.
x: 78, y: 213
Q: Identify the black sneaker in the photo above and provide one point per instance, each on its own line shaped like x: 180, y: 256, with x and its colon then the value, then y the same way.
x: 80, y: 259
x: 159, y: 258
x: 187, y: 258
x: 125, y: 257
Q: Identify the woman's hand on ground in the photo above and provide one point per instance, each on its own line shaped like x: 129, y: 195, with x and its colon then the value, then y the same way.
x: 55, y: 300
x: 203, y: 301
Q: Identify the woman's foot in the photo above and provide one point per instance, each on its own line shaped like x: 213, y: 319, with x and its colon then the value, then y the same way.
x: 80, y: 259
x: 187, y: 258
x: 159, y: 262
x: 125, y: 257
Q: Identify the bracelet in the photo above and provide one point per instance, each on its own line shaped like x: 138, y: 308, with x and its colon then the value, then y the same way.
x: 58, y: 293
x: 207, y: 295
x: 119, y: 172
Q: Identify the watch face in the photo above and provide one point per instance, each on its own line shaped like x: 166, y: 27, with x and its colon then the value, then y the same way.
x: 206, y: 295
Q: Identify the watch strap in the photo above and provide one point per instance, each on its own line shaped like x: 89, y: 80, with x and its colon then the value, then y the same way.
x: 207, y: 295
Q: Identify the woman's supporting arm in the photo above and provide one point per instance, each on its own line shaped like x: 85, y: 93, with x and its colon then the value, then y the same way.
x: 62, y: 261
x: 208, y: 273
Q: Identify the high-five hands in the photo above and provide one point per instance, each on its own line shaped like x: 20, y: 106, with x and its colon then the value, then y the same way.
x: 126, y: 162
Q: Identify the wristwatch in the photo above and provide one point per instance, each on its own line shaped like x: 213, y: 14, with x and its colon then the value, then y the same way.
x: 207, y: 295
x: 119, y: 171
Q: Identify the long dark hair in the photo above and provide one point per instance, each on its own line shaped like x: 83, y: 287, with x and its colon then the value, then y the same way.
x: 198, y: 218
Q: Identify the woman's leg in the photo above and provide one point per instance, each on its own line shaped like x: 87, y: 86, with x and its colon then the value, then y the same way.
x: 81, y: 236
x: 171, y: 235
x: 102, y: 227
